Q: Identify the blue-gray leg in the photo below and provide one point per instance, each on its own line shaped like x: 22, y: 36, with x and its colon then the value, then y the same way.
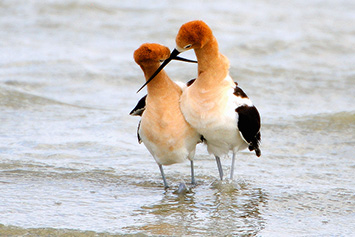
x: 163, y: 176
x: 193, y: 181
x: 219, y: 166
x: 232, y: 167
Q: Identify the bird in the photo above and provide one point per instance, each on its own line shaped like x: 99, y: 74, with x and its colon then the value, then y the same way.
x: 214, y: 104
x: 163, y: 129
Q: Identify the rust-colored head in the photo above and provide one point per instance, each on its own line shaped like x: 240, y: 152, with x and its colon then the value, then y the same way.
x: 150, y: 53
x: 192, y: 35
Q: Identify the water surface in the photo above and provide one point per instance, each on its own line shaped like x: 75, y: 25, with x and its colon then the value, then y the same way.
x: 69, y: 158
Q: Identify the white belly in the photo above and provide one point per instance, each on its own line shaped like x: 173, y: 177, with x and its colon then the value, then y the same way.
x: 220, y: 140
x: 164, y: 155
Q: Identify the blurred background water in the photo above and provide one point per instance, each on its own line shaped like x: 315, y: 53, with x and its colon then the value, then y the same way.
x: 69, y: 158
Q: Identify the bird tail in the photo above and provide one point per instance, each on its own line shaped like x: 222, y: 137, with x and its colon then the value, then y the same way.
x: 254, y: 145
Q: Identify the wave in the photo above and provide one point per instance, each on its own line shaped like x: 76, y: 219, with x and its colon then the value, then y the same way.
x: 329, y: 121
x: 8, y: 230
x: 17, y: 99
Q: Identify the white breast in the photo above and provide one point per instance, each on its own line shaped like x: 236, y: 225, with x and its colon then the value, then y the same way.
x: 164, y: 155
x: 212, y: 113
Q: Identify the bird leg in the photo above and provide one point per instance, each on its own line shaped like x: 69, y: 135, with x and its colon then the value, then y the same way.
x: 232, y: 167
x: 163, y: 176
x: 193, y: 181
x: 219, y: 166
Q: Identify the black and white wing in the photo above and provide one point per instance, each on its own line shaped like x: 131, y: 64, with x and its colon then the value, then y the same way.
x: 248, y: 122
x: 140, y: 107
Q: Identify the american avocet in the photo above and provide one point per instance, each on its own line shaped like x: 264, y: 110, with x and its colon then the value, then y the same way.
x: 163, y: 129
x: 214, y: 105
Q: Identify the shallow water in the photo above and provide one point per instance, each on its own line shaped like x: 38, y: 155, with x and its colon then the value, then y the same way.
x: 70, y: 163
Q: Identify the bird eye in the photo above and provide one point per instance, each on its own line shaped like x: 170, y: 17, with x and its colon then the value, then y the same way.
x: 187, y: 46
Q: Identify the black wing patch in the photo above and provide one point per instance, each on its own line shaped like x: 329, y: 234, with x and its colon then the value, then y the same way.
x: 249, y: 126
x: 140, y: 107
x: 138, y: 111
x: 189, y: 83
x: 239, y: 92
x: 139, y: 137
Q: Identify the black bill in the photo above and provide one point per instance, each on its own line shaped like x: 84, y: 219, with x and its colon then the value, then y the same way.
x: 173, y: 56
